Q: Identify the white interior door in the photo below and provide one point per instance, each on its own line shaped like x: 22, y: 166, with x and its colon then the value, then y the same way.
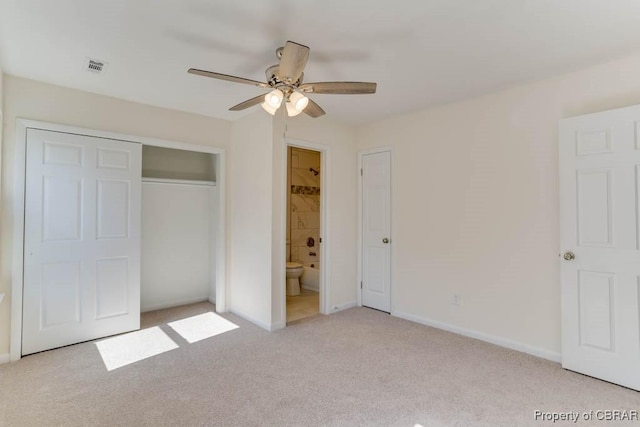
x: 600, y: 264
x: 82, y: 239
x: 376, y: 230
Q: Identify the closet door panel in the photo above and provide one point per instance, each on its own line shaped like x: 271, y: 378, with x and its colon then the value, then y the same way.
x: 82, y: 239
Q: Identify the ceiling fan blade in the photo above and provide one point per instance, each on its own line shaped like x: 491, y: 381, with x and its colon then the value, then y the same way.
x: 313, y: 109
x: 339, y: 88
x: 227, y: 77
x: 294, y: 58
x: 248, y: 103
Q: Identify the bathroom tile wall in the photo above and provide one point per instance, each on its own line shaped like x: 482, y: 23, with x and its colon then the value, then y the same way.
x: 304, y: 214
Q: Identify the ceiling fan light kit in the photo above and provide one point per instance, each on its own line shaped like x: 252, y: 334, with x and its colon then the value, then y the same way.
x: 296, y: 102
x: 299, y: 101
x: 285, y: 79
x: 269, y: 108
x: 274, y: 98
x: 291, y: 109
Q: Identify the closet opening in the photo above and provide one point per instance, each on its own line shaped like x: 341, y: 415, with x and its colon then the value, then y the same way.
x: 180, y: 205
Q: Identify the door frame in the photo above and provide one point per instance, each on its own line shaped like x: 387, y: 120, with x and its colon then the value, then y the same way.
x: 219, y: 254
x: 325, y: 260
x: 361, y: 155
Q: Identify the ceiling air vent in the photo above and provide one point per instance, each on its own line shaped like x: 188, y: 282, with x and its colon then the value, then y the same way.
x: 94, y: 65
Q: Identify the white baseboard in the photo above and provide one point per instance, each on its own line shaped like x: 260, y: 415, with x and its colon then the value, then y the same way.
x: 175, y: 303
x: 278, y: 325
x: 251, y: 319
x: 502, y: 342
x: 4, y: 358
x: 309, y: 288
x: 344, y: 306
x: 212, y: 300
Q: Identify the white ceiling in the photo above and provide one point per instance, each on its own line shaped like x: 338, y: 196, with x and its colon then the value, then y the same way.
x: 421, y: 53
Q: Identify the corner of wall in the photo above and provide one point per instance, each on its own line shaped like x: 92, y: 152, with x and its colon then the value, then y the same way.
x: 278, y: 224
x: 5, y: 307
x: 250, y: 218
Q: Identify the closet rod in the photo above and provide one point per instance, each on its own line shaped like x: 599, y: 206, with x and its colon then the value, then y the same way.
x: 177, y: 181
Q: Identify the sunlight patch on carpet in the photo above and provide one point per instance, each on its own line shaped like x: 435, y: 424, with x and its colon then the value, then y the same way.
x: 129, y: 348
x: 202, y: 326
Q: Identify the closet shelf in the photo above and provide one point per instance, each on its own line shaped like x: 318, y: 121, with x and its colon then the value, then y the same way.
x: 177, y: 181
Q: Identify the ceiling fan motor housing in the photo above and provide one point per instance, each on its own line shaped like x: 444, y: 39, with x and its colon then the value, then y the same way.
x: 271, y: 74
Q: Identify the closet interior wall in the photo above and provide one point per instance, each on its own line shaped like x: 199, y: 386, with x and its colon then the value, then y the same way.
x: 179, y: 205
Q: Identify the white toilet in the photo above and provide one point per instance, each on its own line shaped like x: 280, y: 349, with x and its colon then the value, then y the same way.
x: 294, y: 271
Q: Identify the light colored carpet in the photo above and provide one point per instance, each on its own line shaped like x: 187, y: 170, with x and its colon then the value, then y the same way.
x: 356, y: 367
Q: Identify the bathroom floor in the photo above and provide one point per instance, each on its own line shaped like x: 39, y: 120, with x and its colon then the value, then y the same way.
x: 306, y: 304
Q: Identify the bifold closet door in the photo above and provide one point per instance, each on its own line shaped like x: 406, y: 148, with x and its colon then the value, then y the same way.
x: 82, y: 239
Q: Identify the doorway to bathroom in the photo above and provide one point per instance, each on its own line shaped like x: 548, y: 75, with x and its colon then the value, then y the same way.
x: 304, y: 257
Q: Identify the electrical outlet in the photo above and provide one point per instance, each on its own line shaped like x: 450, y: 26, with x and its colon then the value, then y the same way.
x: 455, y: 300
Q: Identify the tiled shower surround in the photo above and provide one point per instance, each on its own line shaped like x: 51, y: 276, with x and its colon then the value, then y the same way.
x: 303, y: 220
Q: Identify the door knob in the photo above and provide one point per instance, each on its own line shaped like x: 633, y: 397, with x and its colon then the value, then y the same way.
x: 385, y: 240
x: 569, y: 256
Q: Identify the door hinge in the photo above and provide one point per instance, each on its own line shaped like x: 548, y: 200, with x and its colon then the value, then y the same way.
x: 360, y: 171
x: 360, y: 285
x: 320, y: 240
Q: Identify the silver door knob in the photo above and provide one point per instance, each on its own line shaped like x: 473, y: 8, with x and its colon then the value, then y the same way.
x: 569, y: 256
x: 385, y: 240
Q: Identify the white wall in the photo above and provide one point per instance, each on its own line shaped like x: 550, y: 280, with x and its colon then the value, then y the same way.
x: 39, y: 101
x: 475, y: 204
x: 249, y: 218
x: 4, y: 299
x: 278, y: 222
x: 177, y: 250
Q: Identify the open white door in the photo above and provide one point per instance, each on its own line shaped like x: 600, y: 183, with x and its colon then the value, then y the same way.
x: 376, y: 230
x: 82, y: 239
x: 600, y: 264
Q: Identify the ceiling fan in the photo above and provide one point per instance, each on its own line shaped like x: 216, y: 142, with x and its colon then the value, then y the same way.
x: 285, y: 80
